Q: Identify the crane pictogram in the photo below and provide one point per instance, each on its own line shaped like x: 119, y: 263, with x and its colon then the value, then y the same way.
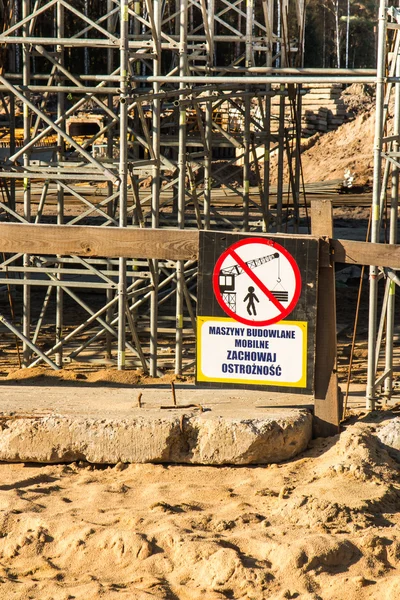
x: 227, y: 280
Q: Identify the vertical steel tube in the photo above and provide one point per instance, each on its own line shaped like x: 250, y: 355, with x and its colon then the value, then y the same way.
x: 13, y: 69
x: 394, y: 203
x: 247, y: 114
x: 281, y: 150
x: 155, y: 188
x: 12, y: 148
x: 110, y: 205
x: 123, y: 176
x: 86, y: 61
x: 297, y: 166
x: 208, y: 123
x: 60, y: 189
x: 183, y: 30
x: 375, y: 224
x: 269, y: 18
x: 207, y: 164
x: 26, y: 74
x: 267, y: 163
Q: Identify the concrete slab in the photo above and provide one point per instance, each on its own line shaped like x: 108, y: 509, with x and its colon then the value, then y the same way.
x: 64, y: 423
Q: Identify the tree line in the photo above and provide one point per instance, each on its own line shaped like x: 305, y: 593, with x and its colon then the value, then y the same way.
x: 341, y: 33
x: 338, y: 33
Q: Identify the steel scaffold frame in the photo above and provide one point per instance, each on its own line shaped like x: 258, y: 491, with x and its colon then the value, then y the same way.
x: 178, y: 73
x: 385, y: 203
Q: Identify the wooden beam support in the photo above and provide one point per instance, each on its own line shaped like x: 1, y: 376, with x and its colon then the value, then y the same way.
x: 112, y: 242
x: 366, y: 253
x: 170, y: 244
x: 327, y: 401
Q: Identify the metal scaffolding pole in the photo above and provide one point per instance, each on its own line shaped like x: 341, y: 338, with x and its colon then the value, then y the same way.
x: 110, y: 147
x: 155, y: 185
x: 183, y: 26
x: 209, y: 20
x: 60, y: 189
x: 247, y: 107
x: 26, y: 67
x: 393, y: 224
x: 375, y: 226
x: 123, y: 176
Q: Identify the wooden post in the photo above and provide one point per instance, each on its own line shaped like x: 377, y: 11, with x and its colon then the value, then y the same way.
x: 327, y: 401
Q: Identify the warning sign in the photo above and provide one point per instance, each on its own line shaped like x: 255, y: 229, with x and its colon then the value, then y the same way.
x: 257, y: 281
x: 232, y: 352
x: 256, y: 311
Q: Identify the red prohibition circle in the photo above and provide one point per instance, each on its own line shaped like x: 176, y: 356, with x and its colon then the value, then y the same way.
x: 271, y: 244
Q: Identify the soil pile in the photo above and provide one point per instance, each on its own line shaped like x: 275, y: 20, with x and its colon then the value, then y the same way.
x: 350, y: 147
x: 327, y: 156
x: 358, y: 98
x: 323, y: 526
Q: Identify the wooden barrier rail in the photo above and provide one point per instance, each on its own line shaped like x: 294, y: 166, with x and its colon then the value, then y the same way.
x: 174, y: 244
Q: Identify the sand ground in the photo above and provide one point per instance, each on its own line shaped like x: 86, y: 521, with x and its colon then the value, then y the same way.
x: 322, y: 526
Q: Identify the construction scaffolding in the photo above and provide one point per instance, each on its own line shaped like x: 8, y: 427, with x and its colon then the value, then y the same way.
x: 385, y: 203
x: 119, y: 113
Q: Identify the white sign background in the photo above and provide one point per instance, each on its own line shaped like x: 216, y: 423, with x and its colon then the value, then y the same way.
x: 277, y: 274
x: 215, y: 350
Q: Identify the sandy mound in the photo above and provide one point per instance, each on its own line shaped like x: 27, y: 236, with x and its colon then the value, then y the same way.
x: 326, y: 157
x: 47, y: 376
x: 358, y: 98
x: 349, y: 147
x: 324, y: 526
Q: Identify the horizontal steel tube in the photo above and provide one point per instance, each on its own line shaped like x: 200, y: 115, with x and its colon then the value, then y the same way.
x: 293, y: 71
x: 72, y: 42
x: 46, y: 76
x: 246, y: 80
x: 49, y: 175
x: 67, y: 89
x: 57, y: 283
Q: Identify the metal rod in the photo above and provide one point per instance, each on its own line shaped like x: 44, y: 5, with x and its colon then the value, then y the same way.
x: 375, y: 223
x: 60, y: 189
x: 42, y: 314
x: 26, y: 326
x: 123, y: 177
x: 183, y: 27
x: 155, y: 187
x: 26, y: 341
x: 272, y: 79
x: 281, y: 149
x: 247, y: 116
x: 394, y: 203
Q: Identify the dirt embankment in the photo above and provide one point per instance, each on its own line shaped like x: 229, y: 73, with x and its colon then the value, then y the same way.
x: 326, y: 156
x: 350, y: 147
x: 322, y: 527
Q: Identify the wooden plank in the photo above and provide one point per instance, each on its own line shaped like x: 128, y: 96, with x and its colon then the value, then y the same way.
x: 112, y: 242
x: 326, y: 398
x: 366, y: 253
x: 174, y: 244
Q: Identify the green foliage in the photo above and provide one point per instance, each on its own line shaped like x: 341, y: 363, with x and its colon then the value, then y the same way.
x: 320, y: 34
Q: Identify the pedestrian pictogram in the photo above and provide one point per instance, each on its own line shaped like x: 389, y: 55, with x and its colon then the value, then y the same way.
x: 257, y: 282
x: 251, y: 309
